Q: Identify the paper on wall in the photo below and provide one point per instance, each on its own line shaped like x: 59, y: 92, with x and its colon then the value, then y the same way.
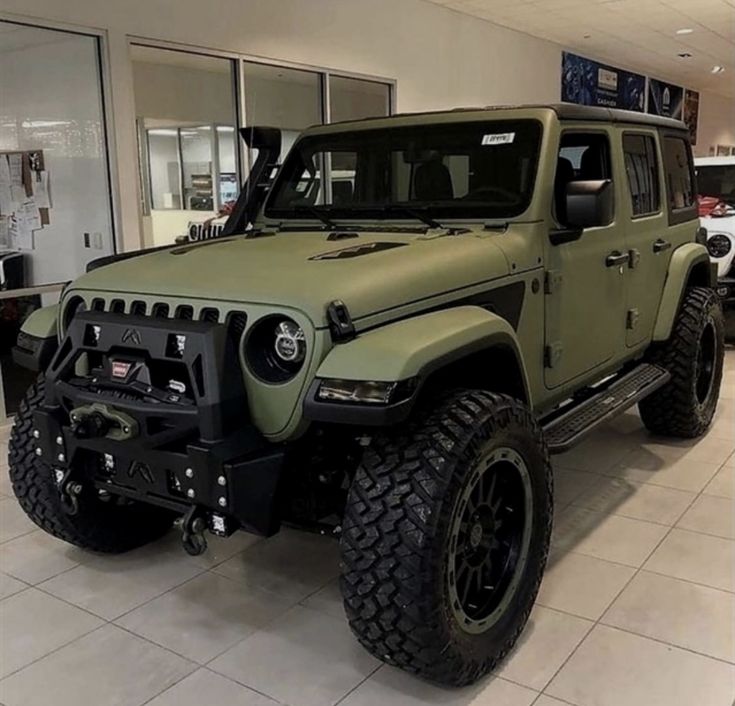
x: 4, y: 171
x: 17, y: 195
x: 28, y: 212
x: 4, y: 235
x: 15, y: 161
x: 21, y: 236
x: 6, y: 199
x: 40, y: 189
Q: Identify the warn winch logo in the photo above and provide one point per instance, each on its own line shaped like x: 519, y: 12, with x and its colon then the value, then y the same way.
x: 120, y: 369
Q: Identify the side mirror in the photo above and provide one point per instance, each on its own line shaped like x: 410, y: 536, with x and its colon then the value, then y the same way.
x: 590, y: 204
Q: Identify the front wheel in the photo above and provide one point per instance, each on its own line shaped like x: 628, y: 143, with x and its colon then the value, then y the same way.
x: 446, y: 535
x: 694, y: 356
x: 100, y: 526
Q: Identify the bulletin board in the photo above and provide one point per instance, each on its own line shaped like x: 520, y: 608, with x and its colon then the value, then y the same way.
x: 25, y: 198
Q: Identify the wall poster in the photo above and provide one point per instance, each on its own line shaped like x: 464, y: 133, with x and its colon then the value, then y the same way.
x: 589, y: 82
x: 665, y: 99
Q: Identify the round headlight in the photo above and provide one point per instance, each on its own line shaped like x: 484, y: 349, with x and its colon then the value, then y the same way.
x: 290, y: 343
x: 275, y: 349
x: 719, y: 245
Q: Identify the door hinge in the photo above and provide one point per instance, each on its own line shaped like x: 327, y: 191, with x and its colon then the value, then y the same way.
x: 634, y: 258
x: 552, y: 281
x: 631, y: 320
x: 552, y: 354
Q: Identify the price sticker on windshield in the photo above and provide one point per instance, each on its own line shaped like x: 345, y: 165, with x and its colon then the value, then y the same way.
x: 499, y: 138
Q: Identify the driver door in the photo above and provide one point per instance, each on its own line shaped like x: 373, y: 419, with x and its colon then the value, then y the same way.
x: 585, y: 296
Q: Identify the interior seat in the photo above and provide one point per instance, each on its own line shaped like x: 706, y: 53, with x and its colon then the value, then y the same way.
x: 433, y: 182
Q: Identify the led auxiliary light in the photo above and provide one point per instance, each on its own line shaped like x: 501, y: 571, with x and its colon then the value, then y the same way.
x: 356, y: 391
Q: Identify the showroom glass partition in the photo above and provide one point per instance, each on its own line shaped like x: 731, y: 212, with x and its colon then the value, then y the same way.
x: 55, y: 196
x: 186, y: 108
x: 189, y: 106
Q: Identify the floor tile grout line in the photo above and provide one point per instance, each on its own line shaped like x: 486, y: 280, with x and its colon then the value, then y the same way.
x: 357, y: 686
x: 664, y: 642
x: 53, y: 651
x: 615, y: 598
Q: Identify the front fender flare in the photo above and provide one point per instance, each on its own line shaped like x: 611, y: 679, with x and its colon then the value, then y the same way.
x: 412, y: 348
x: 683, y: 260
x: 37, y: 341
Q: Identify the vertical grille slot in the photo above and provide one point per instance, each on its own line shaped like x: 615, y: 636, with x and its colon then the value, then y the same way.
x: 184, y: 312
x: 98, y: 304
x: 137, y: 308
x: 117, y: 306
x: 160, y: 310
x: 236, y: 322
x: 209, y: 314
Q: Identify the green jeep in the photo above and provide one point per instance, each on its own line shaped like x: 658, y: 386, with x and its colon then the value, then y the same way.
x: 386, y: 348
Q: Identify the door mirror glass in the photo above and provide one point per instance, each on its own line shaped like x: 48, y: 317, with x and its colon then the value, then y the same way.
x: 589, y: 204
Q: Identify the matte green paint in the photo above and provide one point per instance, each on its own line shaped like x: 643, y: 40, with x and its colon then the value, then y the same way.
x: 42, y: 322
x: 390, y: 293
x: 682, y: 261
x: 406, y: 348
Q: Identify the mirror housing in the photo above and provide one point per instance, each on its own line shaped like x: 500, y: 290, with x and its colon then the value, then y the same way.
x: 590, y: 204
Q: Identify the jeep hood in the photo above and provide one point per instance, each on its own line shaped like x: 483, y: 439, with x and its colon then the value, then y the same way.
x: 370, y: 273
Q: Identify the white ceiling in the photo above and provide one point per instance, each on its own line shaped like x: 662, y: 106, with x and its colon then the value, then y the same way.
x: 639, y: 35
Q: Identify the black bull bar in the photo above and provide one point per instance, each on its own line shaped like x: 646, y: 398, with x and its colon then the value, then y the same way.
x: 159, y: 414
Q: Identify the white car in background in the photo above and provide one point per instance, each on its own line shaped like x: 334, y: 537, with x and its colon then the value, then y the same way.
x: 716, y: 188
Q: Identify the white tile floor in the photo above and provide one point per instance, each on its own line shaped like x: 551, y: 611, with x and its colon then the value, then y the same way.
x: 637, y: 607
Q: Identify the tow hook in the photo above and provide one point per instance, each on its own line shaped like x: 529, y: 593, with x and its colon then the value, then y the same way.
x: 69, y: 491
x: 193, y: 525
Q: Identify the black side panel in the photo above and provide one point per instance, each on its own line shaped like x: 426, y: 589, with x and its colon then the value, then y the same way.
x: 506, y: 302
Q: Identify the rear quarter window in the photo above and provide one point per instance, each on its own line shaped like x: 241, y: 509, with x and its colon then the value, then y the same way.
x: 680, y: 182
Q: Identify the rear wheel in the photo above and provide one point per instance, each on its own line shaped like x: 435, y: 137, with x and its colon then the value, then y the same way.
x: 694, y: 356
x: 97, y: 525
x: 445, y: 537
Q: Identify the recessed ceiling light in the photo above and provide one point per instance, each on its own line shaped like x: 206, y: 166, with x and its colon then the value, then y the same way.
x: 718, y: 69
x: 684, y: 30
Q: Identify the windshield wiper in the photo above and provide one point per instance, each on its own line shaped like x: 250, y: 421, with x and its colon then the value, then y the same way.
x: 317, y: 213
x: 418, y: 214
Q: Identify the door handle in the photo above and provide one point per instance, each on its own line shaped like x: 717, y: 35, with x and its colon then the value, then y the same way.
x: 660, y: 245
x: 616, y: 258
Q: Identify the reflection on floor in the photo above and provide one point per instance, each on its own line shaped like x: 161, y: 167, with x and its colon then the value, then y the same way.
x: 637, y: 607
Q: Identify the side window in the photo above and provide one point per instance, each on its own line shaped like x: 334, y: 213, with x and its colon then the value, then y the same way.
x: 679, y: 174
x: 641, y: 167
x: 583, y: 156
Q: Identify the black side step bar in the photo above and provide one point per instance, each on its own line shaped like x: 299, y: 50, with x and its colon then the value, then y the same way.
x: 566, y: 427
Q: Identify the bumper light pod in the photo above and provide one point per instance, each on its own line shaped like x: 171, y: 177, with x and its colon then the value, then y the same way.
x: 356, y: 391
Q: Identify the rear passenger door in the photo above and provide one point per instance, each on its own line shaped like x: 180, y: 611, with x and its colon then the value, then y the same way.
x: 646, y: 226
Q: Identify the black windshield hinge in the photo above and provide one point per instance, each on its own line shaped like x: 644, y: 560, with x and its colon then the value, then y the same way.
x: 340, y: 322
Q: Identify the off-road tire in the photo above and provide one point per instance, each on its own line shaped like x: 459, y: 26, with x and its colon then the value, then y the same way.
x: 676, y: 409
x: 395, y: 538
x: 98, y: 526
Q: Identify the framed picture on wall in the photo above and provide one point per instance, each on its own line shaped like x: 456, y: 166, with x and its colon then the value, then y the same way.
x: 723, y: 151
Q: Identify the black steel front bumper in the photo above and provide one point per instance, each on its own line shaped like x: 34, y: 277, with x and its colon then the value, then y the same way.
x: 155, y: 410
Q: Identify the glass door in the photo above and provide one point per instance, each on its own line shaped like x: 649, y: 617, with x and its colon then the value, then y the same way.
x: 55, y: 199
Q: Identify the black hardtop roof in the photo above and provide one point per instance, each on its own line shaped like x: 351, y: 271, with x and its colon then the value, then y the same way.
x: 564, y: 111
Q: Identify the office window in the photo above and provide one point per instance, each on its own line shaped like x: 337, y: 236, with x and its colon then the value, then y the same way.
x: 641, y: 167
x: 289, y: 99
x: 353, y: 99
x: 186, y: 113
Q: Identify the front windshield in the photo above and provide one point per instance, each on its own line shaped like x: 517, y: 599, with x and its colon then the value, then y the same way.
x: 458, y: 170
x: 718, y: 181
